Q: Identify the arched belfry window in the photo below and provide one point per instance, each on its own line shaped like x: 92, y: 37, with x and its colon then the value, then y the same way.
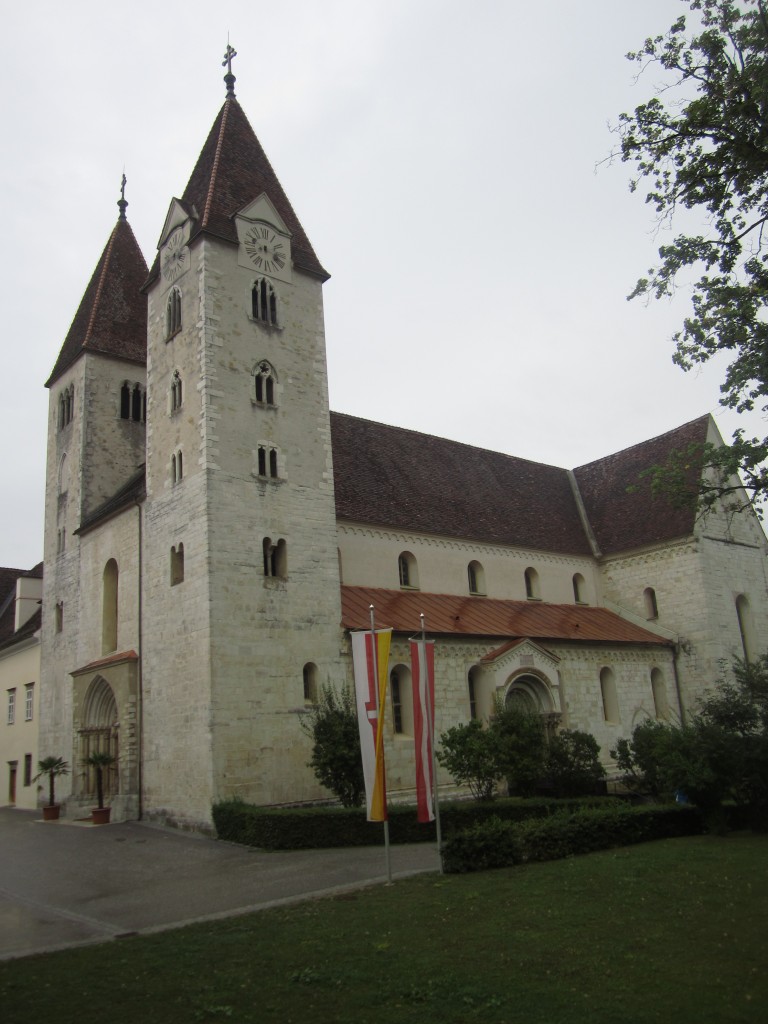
x: 133, y: 402
x: 66, y: 406
x: 173, y: 313
x: 264, y: 302
x: 265, y: 384
x: 275, y: 556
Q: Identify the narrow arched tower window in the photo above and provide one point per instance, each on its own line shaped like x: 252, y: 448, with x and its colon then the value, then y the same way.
x: 264, y: 302
x: 109, y: 608
x: 264, y: 379
x: 173, y: 313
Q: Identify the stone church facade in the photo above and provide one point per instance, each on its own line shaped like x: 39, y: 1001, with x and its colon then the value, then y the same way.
x: 213, y: 532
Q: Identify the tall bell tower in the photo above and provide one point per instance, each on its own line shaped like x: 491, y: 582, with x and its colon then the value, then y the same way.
x: 241, y: 611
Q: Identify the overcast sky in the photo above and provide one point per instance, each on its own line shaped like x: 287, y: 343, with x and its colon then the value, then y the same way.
x: 441, y: 156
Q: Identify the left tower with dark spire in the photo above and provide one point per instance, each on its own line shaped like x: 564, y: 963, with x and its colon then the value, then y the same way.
x: 96, y: 452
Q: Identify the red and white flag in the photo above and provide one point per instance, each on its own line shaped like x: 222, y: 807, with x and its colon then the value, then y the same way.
x: 423, y: 686
x: 370, y: 712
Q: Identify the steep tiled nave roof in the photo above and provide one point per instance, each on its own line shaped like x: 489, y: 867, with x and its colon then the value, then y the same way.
x: 112, y: 316
x: 402, y: 479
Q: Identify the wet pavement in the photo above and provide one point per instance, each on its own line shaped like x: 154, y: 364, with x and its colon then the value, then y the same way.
x: 70, y: 883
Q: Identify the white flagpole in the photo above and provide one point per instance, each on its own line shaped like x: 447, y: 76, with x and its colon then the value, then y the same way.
x: 431, y: 727
x: 380, y: 725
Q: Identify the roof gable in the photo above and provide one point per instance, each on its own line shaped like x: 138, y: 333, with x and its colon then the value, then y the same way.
x: 621, y: 508
x: 112, y: 316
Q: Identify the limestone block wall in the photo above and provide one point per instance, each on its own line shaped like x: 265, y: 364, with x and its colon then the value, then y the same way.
x: 369, y: 557
x: 113, y: 448
x: 569, y: 672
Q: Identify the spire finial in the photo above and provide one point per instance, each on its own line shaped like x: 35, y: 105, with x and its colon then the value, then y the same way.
x: 122, y: 202
x: 229, y: 78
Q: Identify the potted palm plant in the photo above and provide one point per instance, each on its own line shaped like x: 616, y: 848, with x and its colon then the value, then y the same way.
x: 100, y: 761
x: 52, y: 767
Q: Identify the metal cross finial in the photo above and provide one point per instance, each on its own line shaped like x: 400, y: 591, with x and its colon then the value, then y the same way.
x: 229, y: 78
x: 231, y: 52
x: 122, y: 202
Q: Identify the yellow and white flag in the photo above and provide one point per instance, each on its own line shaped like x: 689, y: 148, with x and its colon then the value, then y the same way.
x: 368, y: 660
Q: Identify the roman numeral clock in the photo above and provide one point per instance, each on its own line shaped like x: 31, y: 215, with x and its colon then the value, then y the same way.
x: 266, y: 250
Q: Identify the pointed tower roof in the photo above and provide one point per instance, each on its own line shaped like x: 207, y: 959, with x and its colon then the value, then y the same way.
x: 112, y: 316
x: 231, y: 171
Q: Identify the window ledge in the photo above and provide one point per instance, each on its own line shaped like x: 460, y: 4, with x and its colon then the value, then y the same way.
x: 172, y: 335
x: 264, y: 323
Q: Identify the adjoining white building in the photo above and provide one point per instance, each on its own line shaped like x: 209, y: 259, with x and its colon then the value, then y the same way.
x: 213, y: 531
x: 21, y: 593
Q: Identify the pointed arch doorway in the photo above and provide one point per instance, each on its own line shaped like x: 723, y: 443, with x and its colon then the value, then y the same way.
x: 99, y: 733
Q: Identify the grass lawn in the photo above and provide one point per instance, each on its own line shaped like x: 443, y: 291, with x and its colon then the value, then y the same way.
x: 673, y: 931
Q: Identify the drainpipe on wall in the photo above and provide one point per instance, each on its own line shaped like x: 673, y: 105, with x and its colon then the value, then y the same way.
x: 140, y: 715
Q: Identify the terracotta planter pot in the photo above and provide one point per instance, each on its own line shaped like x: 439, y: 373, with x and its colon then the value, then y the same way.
x: 51, y: 812
x: 100, y: 815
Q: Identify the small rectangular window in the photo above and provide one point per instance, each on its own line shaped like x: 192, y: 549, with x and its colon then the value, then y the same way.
x: 11, y: 707
x: 27, y: 769
x: 29, y: 701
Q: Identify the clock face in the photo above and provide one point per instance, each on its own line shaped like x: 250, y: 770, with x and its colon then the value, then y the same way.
x: 266, y: 250
x: 175, y: 256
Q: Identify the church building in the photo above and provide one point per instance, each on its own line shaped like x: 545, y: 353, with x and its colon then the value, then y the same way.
x: 213, y: 532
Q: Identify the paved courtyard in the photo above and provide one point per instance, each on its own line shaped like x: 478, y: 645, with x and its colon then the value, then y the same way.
x: 67, y: 883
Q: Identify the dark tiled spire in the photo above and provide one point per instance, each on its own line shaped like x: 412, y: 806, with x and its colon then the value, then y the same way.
x: 231, y: 171
x: 112, y: 316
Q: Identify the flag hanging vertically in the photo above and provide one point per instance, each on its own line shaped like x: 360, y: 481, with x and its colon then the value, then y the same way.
x: 370, y: 711
x: 423, y: 686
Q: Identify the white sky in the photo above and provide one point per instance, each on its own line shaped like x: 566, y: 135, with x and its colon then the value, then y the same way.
x: 441, y: 157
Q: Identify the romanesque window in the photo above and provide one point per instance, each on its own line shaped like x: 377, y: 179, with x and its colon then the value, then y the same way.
x: 29, y: 701
x: 310, y: 683
x: 472, y: 692
x: 408, y: 571
x: 265, y: 381
x: 609, y: 697
x: 176, y: 391
x: 267, y: 458
x: 66, y: 406
x: 578, y: 588
x: 651, y: 606
x: 264, y: 302
x: 400, y: 695
x: 173, y: 313
x: 745, y: 626
x: 177, y: 565
x: 532, y: 588
x: 62, y: 476
x: 659, y: 690
x: 275, y: 557
x: 133, y: 402
x: 476, y: 577
x: 109, y: 608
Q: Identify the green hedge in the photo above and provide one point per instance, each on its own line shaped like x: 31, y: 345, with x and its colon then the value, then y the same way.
x: 304, y: 828
x: 496, y: 843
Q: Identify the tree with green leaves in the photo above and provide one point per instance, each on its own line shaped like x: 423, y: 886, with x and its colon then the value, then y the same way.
x: 522, y: 746
x: 702, y: 145
x: 336, y: 759
x: 470, y: 753
x: 573, y: 763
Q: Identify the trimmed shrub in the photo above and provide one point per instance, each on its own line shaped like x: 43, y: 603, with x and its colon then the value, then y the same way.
x: 306, y: 828
x: 497, y: 843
